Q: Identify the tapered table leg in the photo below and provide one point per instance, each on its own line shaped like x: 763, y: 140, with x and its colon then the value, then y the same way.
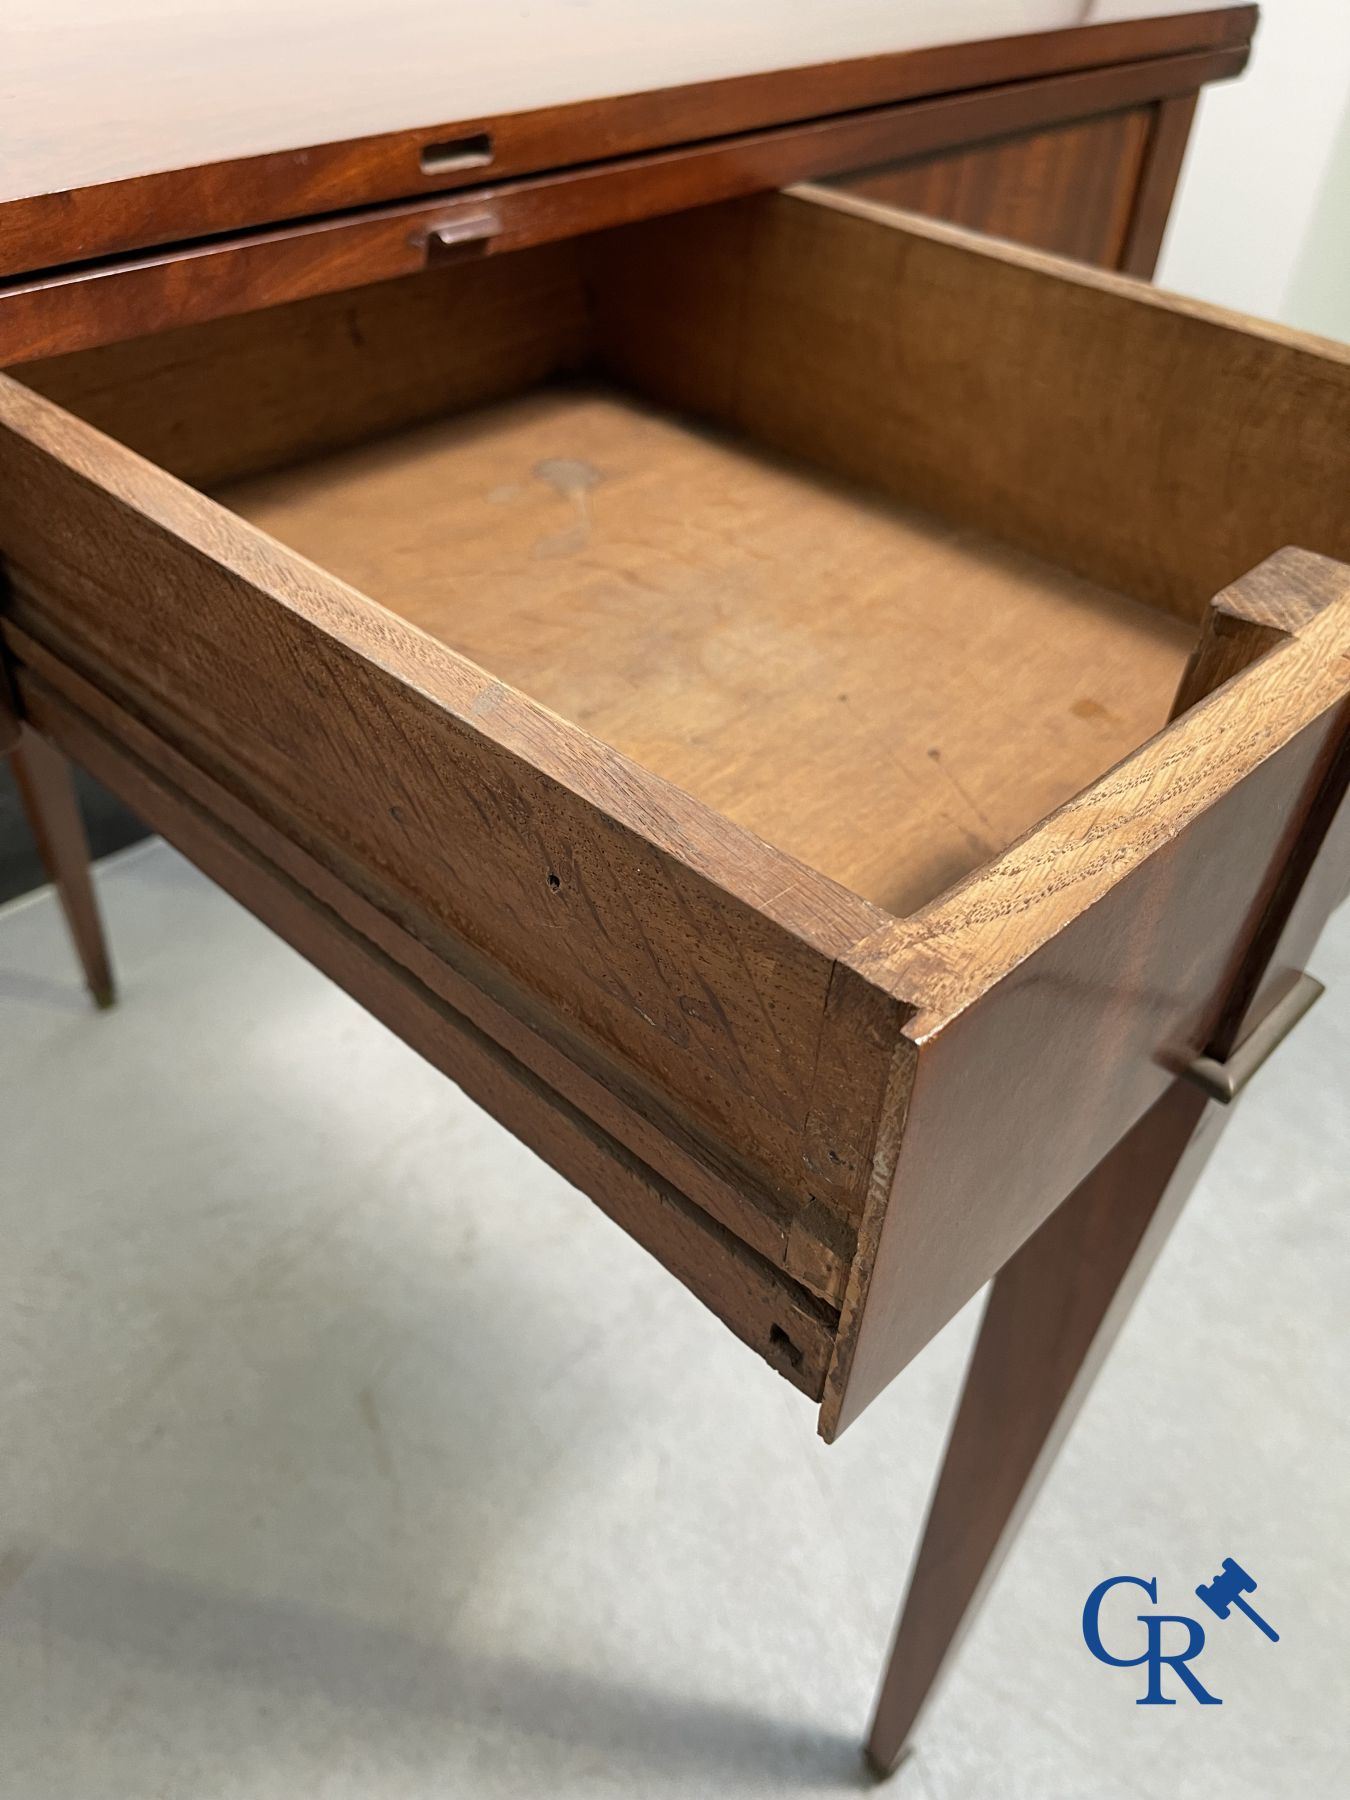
x: 48, y: 796
x: 1053, y: 1311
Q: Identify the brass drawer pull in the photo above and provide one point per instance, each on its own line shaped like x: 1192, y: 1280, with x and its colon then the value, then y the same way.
x: 459, y: 233
x: 1224, y: 1081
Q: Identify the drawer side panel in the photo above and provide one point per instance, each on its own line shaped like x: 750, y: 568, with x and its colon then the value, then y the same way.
x: 680, y: 944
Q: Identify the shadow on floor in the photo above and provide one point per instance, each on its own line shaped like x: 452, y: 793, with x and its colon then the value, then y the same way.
x: 146, y: 1618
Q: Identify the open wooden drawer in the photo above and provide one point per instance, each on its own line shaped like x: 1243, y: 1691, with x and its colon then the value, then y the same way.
x: 750, y: 773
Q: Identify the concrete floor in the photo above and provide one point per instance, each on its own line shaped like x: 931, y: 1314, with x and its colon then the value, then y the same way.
x: 349, y: 1452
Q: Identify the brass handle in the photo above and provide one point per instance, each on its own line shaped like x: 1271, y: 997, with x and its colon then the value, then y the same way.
x: 1224, y: 1081
x: 461, y: 231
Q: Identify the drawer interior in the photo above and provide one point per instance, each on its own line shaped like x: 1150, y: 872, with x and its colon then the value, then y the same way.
x: 884, y: 696
x: 660, y: 481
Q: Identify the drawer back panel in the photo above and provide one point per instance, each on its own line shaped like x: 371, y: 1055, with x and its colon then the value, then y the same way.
x: 262, y: 390
x: 1153, y: 444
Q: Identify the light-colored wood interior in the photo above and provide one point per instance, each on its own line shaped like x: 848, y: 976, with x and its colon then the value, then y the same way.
x: 889, y: 699
x: 1155, y: 444
x: 856, y: 656
x: 214, y: 402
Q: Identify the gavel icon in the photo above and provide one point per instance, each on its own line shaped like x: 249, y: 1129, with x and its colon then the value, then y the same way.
x: 1226, y: 1591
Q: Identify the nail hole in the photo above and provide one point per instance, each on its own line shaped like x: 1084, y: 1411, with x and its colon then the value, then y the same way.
x: 448, y: 158
x: 780, y: 1341
x: 554, y: 881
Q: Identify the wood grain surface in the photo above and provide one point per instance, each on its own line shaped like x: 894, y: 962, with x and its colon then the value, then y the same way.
x: 1055, y: 1308
x: 1153, y: 444
x: 1169, y: 135
x: 1071, y: 189
x: 150, y: 124
x: 69, y: 309
x: 659, y: 931
x: 47, y: 794
x: 746, y: 629
x: 789, y: 1328
x: 879, y: 1108
x: 1059, y: 989
x: 256, y: 391
x: 1270, y: 603
x: 1275, y: 602
x: 1053, y: 1312
x: 806, y: 1243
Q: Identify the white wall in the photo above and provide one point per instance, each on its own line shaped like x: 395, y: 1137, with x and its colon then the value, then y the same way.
x: 1318, y: 295
x: 1262, y: 216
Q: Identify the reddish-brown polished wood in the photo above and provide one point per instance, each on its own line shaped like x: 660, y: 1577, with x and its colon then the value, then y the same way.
x: 1058, y: 1303
x: 1053, y: 1313
x: 1097, y: 189
x: 1051, y: 1316
x: 77, y: 309
x: 95, y: 166
x: 1170, y: 133
x: 53, y: 812
x: 1070, y: 189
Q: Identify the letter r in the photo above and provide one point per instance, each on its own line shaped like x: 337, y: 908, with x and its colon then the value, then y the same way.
x: 1195, y: 1643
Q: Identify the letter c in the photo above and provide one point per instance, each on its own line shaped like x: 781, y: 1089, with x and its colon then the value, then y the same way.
x: 1092, y: 1631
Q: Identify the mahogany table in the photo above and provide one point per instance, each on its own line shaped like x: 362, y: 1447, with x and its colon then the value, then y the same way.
x: 838, y: 754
